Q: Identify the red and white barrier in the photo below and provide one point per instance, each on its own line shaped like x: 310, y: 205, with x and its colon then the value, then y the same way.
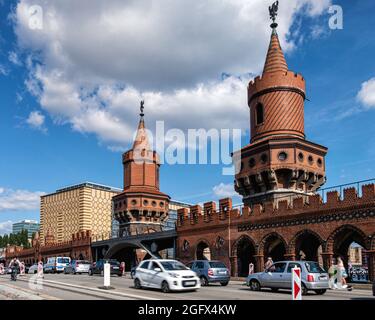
x: 296, y: 284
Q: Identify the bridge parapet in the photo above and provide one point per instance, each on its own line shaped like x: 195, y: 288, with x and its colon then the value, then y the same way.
x: 284, y: 207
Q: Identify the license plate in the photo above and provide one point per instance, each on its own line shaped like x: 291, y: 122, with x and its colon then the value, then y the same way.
x: 323, y: 278
x: 115, y: 268
x: 189, y: 283
x: 222, y: 272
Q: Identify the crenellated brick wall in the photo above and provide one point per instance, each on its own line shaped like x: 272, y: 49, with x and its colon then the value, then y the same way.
x: 330, y: 222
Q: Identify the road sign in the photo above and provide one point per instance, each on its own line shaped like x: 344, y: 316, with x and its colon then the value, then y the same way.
x: 107, y: 275
x: 296, y: 284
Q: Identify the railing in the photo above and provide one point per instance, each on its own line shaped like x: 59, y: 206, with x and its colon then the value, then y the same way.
x: 341, y: 187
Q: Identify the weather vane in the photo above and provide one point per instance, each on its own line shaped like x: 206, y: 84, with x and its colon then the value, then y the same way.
x: 273, y: 13
x: 142, y: 108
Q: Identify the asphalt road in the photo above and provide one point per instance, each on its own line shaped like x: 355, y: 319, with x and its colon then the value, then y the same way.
x: 84, y: 287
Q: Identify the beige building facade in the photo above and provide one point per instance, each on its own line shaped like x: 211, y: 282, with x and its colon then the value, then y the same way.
x: 81, y: 207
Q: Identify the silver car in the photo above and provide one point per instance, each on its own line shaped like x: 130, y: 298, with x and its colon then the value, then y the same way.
x: 210, y: 272
x: 78, y: 266
x: 279, y: 276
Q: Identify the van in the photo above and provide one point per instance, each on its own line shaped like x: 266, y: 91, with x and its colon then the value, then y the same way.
x: 56, y: 264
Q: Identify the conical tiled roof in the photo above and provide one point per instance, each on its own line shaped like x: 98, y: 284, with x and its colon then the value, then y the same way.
x: 275, y: 61
x: 141, y: 140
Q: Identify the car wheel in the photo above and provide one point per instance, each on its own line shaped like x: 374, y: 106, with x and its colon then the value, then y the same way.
x: 254, y: 285
x: 224, y: 284
x: 274, y: 289
x: 35, y: 272
x: 204, y: 281
x: 304, y: 289
x: 137, y: 284
x: 165, y: 287
x: 320, y: 291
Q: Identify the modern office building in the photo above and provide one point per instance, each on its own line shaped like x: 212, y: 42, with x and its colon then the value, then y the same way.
x: 82, y: 207
x: 31, y: 226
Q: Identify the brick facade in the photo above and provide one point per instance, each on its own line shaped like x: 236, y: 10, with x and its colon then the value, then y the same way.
x: 280, y: 230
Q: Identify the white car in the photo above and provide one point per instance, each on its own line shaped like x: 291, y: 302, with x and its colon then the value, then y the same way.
x: 167, y: 275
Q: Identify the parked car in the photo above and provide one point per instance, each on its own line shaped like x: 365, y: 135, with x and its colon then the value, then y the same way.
x: 56, y: 264
x: 33, y: 269
x: 98, y: 267
x: 210, y: 272
x: 279, y: 276
x: 78, y: 266
x: 167, y: 275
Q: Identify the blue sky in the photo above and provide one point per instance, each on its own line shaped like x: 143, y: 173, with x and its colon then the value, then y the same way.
x: 69, y: 97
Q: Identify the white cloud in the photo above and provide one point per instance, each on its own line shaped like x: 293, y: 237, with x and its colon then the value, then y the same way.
x: 90, y: 66
x: 36, y: 121
x: 3, y: 70
x: 367, y: 94
x: 18, y: 200
x: 6, y: 227
x: 223, y: 190
x: 13, y: 57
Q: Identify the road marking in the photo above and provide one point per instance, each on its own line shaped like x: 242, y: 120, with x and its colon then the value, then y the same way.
x: 128, y: 295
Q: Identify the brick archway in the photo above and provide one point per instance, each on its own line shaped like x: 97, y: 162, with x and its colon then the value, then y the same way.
x: 201, y: 246
x: 273, y: 245
x: 307, y: 245
x: 244, y: 250
x: 345, y: 233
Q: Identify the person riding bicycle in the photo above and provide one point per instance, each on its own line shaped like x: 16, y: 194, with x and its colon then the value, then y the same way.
x: 14, y: 265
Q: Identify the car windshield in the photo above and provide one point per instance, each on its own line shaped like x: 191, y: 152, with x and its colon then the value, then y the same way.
x: 217, y: 264
x: 314, y: 267
x: 62, y: 260
x: 173, y: 265
x: 83, y: 262
x: 114, y: 263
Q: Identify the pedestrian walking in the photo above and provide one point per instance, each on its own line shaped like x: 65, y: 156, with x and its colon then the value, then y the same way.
x: 251, y: 268
x: 342, y: 275
x: 40, y: 273
x: 332, y: 272
x: 268, y: 264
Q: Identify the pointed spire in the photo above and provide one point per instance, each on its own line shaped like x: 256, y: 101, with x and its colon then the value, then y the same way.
x: 275, y: 61
x: 141, y: 140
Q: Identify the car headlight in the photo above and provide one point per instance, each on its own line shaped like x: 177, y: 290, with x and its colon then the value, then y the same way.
x: 174, y: 275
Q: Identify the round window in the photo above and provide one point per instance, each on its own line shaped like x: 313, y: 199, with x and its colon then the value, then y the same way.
x: 264, y: 158
x: 153, y: 203
x: 145, y: 202
x: 320, y: 162
x: 161, y: 204
x: 282, y: 156
x: 134, y: 202
x: 252, y: 162
x: 311, y: 159
x: 300, y: 156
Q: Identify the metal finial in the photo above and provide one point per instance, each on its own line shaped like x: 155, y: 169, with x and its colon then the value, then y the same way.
x: 273, y: 13
x: 142, y: 107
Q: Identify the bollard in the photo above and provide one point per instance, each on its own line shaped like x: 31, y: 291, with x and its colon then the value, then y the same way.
x: 107, y: 275
x: 296, y: 284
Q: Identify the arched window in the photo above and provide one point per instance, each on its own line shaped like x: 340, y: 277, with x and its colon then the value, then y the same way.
x: 259, y: 114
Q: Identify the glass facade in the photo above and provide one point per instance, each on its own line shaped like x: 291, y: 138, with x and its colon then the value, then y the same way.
x: 30, y: 225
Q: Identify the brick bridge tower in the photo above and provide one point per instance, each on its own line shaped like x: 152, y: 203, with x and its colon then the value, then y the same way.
x: 279, y: 161
x: 141, y: 207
